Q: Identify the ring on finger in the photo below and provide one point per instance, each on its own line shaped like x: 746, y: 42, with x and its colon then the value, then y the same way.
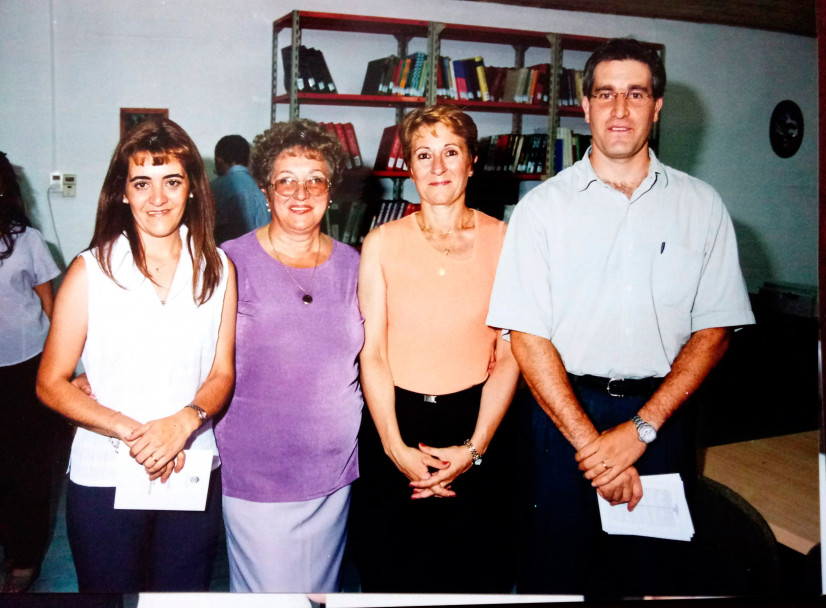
x: 605, y: 467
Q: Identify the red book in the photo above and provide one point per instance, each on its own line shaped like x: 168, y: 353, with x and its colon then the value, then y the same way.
x: 385, y: 148
x: 396, y: 160
x: 342, y: 137
x: 352, y: 144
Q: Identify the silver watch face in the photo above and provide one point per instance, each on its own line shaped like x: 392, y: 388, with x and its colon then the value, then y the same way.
x: 647, y: 432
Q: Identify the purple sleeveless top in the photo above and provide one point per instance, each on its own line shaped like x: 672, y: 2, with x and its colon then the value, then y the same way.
x: 290, y: 431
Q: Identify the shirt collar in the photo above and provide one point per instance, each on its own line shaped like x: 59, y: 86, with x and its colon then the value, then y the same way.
x: 127, y: 274
x: 236, y: 169
x: 586, y: 176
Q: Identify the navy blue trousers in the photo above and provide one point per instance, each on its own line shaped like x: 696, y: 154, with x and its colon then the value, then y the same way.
x: 563, y: 547
x: 128, y: 551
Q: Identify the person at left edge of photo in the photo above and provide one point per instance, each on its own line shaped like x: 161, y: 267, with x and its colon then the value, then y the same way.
x: 34, y: 441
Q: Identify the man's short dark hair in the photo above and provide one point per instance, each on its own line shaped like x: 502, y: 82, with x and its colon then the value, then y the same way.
x: 233, y: 149
x: 621, y: 49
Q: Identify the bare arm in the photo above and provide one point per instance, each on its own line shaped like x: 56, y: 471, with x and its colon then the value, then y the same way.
x: 547, y: 378
x: 61, y: 353
x: 376, y: 376
x: 620, y: 447
x: 45, y: 292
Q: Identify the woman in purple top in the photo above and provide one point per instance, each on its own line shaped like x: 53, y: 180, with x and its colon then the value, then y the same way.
x: 288, y: 441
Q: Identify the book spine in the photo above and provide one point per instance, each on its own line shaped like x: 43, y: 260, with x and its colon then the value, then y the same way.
x: 352, y: 144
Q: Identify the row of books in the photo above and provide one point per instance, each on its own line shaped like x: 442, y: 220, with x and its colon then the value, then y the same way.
x: 351, y: 225
x: 392, y: 210
x: 460, y: 79
x: 470, y: 79
x: 570, y: 147
x: 392, y: 75
x: 312, y: 76
x: 517, y: 153
x: 347, y: 136
x: 345, y: 226
x: 570, y: 88
x: 389, y: 156
x: 513, y: 153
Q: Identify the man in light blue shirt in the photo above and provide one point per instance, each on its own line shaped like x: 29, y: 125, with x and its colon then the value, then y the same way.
x: 620, y: 282
x: 239, y: 203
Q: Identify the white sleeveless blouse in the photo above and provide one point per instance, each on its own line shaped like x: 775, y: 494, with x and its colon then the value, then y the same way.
x: 143, y: 358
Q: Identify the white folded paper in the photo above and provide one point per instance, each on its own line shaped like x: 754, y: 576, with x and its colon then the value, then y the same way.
x: 184, y: 491
x: 662, y: 512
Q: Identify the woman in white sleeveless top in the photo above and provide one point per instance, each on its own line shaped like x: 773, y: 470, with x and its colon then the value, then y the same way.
x: 150, y: 309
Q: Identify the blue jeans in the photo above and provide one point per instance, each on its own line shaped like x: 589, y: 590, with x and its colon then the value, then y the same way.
x: 128, y: 551
x: 563, y: 547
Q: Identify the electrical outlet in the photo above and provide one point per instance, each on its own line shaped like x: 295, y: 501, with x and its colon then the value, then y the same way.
x: 69, y: 185
x: 55, y: 181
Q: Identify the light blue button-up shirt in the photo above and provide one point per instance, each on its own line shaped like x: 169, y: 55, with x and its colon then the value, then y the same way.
x: 617, y: 284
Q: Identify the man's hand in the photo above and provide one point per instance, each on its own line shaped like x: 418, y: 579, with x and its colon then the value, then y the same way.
x: 610, y: 454
x: 625, y: 488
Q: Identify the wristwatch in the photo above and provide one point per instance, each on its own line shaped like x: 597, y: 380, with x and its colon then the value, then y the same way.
x: 645, y: 431
x: 474, y: 455
x: 202, y: 415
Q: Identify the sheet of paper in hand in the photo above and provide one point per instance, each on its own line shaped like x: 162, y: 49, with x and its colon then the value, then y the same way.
x: 662, y: 512
x: 184, y: 491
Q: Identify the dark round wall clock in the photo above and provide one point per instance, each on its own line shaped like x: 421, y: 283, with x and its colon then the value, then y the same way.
x: 786, y: 128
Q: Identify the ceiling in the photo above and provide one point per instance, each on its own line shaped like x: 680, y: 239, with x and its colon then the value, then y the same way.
x: 790, y: 16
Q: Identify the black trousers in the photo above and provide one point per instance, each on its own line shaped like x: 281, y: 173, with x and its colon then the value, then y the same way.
x: 433, y: 545
x: 34, y: 444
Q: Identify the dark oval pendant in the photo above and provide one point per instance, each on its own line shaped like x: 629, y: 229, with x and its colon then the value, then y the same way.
x: 307, y: 299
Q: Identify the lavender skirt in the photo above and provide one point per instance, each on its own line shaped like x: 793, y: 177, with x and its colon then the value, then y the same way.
x: 286, y: 547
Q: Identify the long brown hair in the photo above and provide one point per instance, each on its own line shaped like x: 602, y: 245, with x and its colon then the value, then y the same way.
x: 161, y: 139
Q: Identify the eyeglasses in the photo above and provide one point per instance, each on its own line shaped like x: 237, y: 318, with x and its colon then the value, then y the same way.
x: 634, y: 98
x: 314, y: 186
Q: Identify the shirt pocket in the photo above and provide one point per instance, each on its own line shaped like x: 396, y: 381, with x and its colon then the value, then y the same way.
x: 675, y: 277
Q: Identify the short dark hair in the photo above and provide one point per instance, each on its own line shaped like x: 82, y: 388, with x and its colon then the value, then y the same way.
x: 449, y: 115
x: 161, y: 140
x: 234, y: 149
x: 621, y: 49
x: 305, y: 137
x: 13, y: 219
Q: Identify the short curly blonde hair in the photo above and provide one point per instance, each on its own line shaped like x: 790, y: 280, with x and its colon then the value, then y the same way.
x: 303, y: 136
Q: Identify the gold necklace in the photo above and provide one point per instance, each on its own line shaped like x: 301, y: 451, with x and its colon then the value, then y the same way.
x: 461, y: 226
x: 306, y: 298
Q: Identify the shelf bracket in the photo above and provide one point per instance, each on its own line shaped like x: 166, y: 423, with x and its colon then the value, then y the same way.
x: 434, y: 50
x: 295, y: 42
x: 553, y: 104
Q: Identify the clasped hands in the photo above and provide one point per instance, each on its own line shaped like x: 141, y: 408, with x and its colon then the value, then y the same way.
x: 157, y: 445
x: 416, y: 464
x: 607, y: 462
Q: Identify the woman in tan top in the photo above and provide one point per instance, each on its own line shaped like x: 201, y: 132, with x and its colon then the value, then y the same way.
x: 437, y: 380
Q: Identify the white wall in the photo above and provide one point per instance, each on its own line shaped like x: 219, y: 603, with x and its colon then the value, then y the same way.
x: 67, y: 66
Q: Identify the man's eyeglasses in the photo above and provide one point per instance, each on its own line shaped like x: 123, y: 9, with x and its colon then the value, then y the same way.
x: 634, y: 98
x: 314, y: 186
